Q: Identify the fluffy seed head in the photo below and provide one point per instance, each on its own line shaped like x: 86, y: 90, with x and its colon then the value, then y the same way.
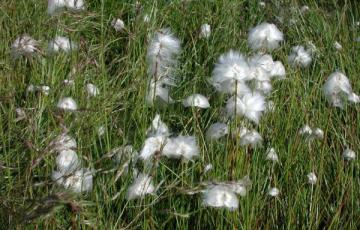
x: 217, y: 131
x: 205, y: 31
x: 312, y: 178
x: 274, y: 192
x: 67, y: 104
x: 61, y: 43
x: 300, y: 57
x: 118, y: 24
x: 220, y: 197
x: 337, y: 89
x: 24, y: 46
x: 181, y: 147
x: 92, y: 90
x: 265, y: 36
x: 141, y: 186
x: 196, y: 100
x: 349, y: 154
x: 67, y: 161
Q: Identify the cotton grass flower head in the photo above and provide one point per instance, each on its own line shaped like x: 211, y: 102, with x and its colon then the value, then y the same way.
x: 184, y: 147
x: 67, y: 104
x: 61, y: 43
x: 231, y: 66
x: 55, y: 5
x: 216, y: 131
x: 349, y: 154
x: 249, y: 137
x: 274, y: 192
x: 157, y: 128
x: 44, y: 89
x: 208, y: 168
x: 205, y: 31
x: 157, y: 92
x: 63, y: 142
x: 265, y: 36
x: 338, y: 90
x: 141, y: 186
x: 24, y: 46
x: 271, y: 155
x: 80, y: 181
x: 312, y: 178
x: 118, y: 24
x: 337, y: 46
x: 311, y: 133
x: 299, y: 56
x: 153, y: 145
x: 250, y: 105
x: 92, y: 90
x: 67, y: 161
x: 220, y: 197
x: 196, y: 100
x: 162, y: 54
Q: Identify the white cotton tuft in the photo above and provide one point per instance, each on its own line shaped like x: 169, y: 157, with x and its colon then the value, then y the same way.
x: 118, y: 24
x: 205, y: 31
x: 250, y: 106
x: 67, y: 161
x: 196, y: 100
x: 92, y: 90
x: 208, y: 168
x: 61, y: 43
x: 24, y: 46
x: 146, y: 18
x: 274, y: 192
x: 75, y: 5
x: 55, y: 5
x: 220, y: 197
x: 67, y: 104
x: 217, y: 131
x: 271, y: 155
x: 304, y: 9
x: 354, y: 98
x: 337, y: 46
x: 162, y: 56
x: 311, y: 133
x: 231, y: 87
x: 141, y: 186
x: 157, y: 92
x: 349, y: 154
x: 80, y: 181
x: 265, y: 36
x: 312, y: 178
x: 101, y: 130
x: 249, y: 137
x: 337, y: 90
x: 278, y: 70
x: 185, y: 147
x: 152, y: 146
x: 263, y: 87
x: 44, y: 89
x: 299, y: 56
x: 63, y: 142
x: 231, y: 66
x: 157, y: 128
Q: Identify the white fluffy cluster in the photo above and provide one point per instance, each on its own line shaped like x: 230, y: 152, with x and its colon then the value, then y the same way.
x: 159, y: 142
x: 67, y: 104
x: 311, y: 133
x: 92, y: 90
x: 61, y: 43
x: 249, y: 137
x: 118, y: 24
x: 24, y: 46
x: 271, y: 155
x: 141, y: 186
x: 338, y: 90
x: 196, y: 100
x: 217, y: 131
x: 312, y: 178
x: 299, y: 56
x: 55, y: 5
x: 247, y: 81
x: 44, y: 89
x: 274, y: 192
x: 69, y: 173
x: 349, y: 154
x: 224, y: 194
x: 265, y: 36
x: 162, y: 59
x: 205, y: 31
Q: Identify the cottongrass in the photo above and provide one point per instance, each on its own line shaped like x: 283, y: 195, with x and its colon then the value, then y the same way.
x: 92, y: 90
x: 67, y: 104
x: 196, y: 100
x: 271, y: 155
x: 205, y: 31
x: 274, y: 192
x: 141, y: 186
x: 216, y: 131
x: 338, y: 90
x: 349, y: 154
x: 61, y: 43
x: 220, y: 197
x: 248, y: 137
x: 80, y: 181
x: 118, y: 24
x: 24, y: 46
x: 299, y: 56
x: 265, y: 36
x: 312, y: 178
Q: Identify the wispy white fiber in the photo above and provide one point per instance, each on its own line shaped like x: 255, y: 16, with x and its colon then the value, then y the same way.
x: 61, y: 43
x: 205, y: 31
x: 220, y: 197
x: 338, y: 90
x: 152, y: 146
x: 249, y: 137
x: 118, y: 24
x: 349, y: 154
x: 271, y: 155
x: 157, y: 128
x: 196, y: 100
x: 80, y: 181
x: 141, y: 186
x: 274, y: 192
x: 92, y: 90
x: 337, y: 46
x: 299, y: 56
x: 24, y: 46
x: 56, y: 5
x: 185, y: 147
x: 265, y: 36
x: 67, y: 104
x: 67, y: 161
x: 312, y: 178
x: 44, y: 89
x: 250, y: 105
x: 217, y: 131
x: 311, y: 133
x: 157, y: 92
x: 63, y: 142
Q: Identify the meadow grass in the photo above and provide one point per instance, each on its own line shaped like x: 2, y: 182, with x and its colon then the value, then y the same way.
x: 116, y: 63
